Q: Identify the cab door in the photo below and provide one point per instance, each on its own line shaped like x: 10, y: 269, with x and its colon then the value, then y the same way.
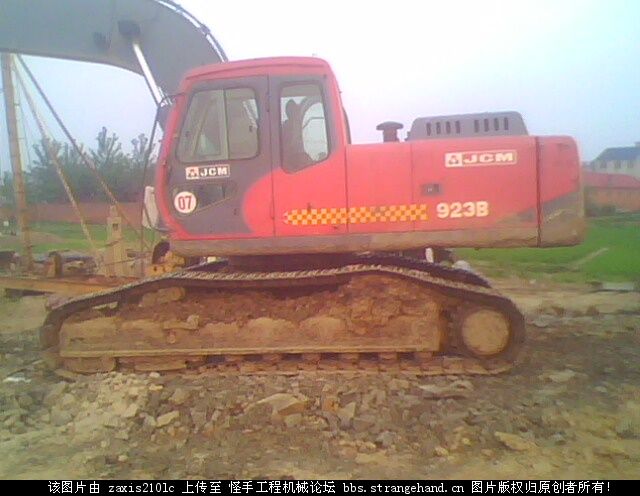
x: 223, y: 151
x: 309, y: 177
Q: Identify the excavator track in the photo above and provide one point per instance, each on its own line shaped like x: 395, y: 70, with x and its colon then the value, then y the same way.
x: 372, y: 314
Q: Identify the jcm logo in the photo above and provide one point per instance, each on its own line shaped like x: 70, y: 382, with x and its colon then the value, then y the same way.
x: 486, y: 157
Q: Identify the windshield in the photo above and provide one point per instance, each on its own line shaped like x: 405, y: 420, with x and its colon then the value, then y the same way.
x: 220, y: 125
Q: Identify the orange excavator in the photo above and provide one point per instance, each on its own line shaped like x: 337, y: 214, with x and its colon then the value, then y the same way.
x: 257, y: 169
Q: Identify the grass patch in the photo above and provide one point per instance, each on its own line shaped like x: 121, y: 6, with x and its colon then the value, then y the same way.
x: 620, y: 234
x: 51, y: 236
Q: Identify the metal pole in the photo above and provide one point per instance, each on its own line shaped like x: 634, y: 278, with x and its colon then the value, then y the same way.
x: 146, y: 71
x: 16, y: 160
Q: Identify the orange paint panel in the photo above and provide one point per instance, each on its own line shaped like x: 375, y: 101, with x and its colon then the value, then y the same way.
x: 379, y: 175
x: 476, y: 182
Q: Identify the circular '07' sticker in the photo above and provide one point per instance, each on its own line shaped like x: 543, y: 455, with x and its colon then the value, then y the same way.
x: 185, y: 202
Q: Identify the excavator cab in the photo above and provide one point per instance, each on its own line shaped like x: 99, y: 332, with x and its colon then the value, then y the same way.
x: 241, y: 134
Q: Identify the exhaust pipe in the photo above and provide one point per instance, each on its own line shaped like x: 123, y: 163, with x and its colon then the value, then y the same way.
x: 389, y: 130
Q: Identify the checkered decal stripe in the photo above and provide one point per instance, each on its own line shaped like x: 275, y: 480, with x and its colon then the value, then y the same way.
x: 355, y: 215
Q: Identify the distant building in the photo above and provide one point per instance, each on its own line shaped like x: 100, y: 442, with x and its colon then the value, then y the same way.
x: 622, y: 160
x: 619, y: 191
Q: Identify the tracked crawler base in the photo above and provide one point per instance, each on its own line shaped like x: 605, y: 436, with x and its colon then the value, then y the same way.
x: 375, y: 313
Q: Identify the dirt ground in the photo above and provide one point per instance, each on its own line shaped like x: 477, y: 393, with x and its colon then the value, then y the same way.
x: 570, y: 409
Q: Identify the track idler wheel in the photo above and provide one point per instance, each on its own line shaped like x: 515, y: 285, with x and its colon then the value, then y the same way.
x: 483, y: 333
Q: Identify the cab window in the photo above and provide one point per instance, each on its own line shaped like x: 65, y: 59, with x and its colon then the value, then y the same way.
x: 220, y: 125
x: 304, y: 139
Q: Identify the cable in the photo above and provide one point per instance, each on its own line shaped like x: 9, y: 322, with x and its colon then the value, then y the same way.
x: 26, y: 130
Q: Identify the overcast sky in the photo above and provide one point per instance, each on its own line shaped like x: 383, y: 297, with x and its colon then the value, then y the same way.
x: 570, y: 67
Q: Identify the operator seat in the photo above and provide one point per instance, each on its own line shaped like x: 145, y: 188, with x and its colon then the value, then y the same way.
x: 294, y: 156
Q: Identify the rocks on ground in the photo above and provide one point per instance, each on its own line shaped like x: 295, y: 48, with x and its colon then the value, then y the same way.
x: 515, y: 442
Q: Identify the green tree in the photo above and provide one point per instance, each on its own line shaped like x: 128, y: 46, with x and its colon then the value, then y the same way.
x: 43, y: 182
x: 109, y: 151
x: 121, y: 172
x: 141, y: 147
x: 6, y: 190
